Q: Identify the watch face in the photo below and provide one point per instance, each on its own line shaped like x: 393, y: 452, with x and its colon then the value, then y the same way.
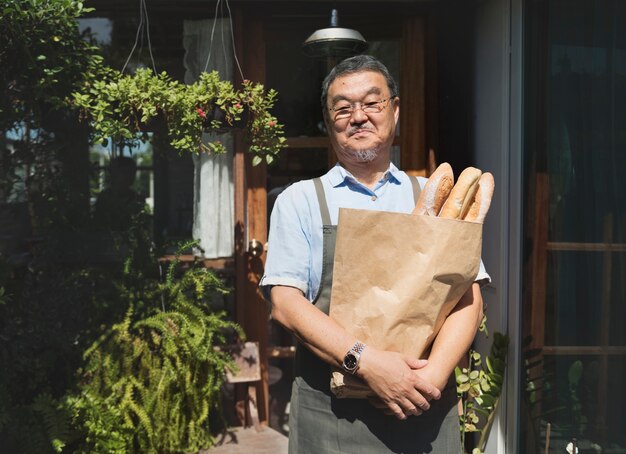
x: 350, y: 361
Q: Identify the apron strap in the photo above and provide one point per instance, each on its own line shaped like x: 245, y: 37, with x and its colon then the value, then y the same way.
x: 321, y: 198
x: 417, y: 189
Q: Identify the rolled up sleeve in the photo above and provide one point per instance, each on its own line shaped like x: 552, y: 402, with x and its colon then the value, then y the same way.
x: 483, y: 277
x: 289, y: 246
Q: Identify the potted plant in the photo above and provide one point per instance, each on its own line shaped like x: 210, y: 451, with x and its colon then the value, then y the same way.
x: 479, y: 385
x: 120, y: 106
x: 152, y: 382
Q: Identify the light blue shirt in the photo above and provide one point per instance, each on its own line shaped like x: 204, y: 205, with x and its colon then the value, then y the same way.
x: 294, y: 255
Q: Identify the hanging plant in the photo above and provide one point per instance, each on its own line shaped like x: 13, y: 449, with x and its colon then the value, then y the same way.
x: 209, y: 105
x: 119, y: 108
x: 265, y: 132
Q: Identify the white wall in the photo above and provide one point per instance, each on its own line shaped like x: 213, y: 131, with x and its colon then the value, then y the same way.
x: 497, y: 148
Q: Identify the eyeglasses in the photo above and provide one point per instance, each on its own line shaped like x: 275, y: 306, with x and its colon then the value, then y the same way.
x: 344, y: 110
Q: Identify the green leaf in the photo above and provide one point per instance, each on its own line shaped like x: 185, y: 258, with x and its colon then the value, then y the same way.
x: 486, y: 400
x: 575, y: 373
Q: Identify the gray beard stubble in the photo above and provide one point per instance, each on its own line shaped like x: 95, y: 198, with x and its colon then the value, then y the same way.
x: 366, y: 155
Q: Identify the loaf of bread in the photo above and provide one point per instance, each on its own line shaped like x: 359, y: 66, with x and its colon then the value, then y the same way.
x: 435, y: 191
x: 462, y: 194
x: 482, y: 200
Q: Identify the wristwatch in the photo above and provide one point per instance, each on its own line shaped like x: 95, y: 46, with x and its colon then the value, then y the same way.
x: 353, y: 358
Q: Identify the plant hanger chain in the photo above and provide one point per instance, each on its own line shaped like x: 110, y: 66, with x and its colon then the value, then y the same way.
x: 143, y: 14
x: 219, y: 6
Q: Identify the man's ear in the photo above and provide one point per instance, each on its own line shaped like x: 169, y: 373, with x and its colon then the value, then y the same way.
x: 396, y: 108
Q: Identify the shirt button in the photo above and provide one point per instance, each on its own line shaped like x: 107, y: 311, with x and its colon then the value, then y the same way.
x: 374, y: 198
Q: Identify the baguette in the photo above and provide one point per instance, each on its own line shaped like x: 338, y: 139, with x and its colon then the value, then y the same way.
x: 435, y: 191
x: 482, y: 200
x: 462, y: 194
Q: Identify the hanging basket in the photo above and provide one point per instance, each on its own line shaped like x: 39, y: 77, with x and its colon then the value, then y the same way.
x: 153, y: 124
x: 217, y: 116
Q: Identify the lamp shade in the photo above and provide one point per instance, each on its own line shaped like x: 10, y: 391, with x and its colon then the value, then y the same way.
x: 334, y: 41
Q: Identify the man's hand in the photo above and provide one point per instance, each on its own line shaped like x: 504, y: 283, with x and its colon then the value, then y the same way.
x: 399, y: 389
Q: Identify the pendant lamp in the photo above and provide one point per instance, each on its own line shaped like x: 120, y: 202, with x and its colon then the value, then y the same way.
x: 334, y: 41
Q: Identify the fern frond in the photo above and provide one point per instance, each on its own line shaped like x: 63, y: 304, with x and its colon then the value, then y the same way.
x: 157, y: 373
x: 56, y: 420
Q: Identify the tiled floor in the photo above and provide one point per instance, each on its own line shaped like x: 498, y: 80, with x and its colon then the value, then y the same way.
x: 250, y: 441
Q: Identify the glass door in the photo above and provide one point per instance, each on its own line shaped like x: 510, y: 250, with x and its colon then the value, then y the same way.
x: 575, y: 232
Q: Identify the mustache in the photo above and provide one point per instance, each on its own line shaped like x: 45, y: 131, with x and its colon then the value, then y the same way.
x: 354, y: 129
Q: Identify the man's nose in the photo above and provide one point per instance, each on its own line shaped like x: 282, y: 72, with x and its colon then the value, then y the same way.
x: 358, y: 116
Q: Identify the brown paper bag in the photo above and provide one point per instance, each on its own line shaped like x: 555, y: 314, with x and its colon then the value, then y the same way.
x: 396, y: 278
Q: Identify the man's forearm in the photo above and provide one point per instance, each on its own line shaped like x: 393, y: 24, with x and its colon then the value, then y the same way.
x: 318, y: 332
x: 455, y: 337
x: 389, y: 374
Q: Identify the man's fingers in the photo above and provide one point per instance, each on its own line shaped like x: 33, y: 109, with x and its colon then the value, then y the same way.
x: 377, y: 402
x: 417, y: 400
x: 407, y: 407
x: 430, y: 392
x: 426, y: 389
x: 414, y: 412
x: 415, y: 363
x: 400, y: 382
x: 411, y: 410
x: 397, y: 411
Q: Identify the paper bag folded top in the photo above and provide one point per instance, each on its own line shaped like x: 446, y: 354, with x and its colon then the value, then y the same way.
x: 397, y: 294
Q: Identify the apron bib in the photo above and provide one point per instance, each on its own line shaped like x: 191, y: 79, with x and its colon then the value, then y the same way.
x: 319, y: 423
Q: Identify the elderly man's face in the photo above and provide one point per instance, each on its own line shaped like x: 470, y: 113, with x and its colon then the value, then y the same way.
x: 364, y: 134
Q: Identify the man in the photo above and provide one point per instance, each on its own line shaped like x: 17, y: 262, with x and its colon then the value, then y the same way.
x: 415, y: 409
x: 118, y: 203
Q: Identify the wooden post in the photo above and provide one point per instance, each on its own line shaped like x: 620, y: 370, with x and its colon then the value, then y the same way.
x: 251, y: 220
x: 413, y: 99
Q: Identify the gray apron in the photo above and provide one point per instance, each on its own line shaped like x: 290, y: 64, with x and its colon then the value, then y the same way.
x: 319, y: 423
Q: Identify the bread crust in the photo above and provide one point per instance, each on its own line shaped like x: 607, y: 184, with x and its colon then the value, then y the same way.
x: 436, y: 191
x: 482, y: 200
x: 462, y: 194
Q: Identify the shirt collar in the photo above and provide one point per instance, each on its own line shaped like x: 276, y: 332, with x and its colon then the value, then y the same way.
x: 338, y: 174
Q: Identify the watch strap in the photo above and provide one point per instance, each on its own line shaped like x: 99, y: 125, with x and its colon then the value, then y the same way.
x: 358, y: 347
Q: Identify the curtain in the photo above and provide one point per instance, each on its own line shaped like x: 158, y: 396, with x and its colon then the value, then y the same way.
x: 213, y: 205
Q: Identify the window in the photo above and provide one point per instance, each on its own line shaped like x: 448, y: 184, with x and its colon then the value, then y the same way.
x: 143, y: 183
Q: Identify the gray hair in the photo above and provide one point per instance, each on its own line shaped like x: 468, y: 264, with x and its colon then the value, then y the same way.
x: 357, y: 64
